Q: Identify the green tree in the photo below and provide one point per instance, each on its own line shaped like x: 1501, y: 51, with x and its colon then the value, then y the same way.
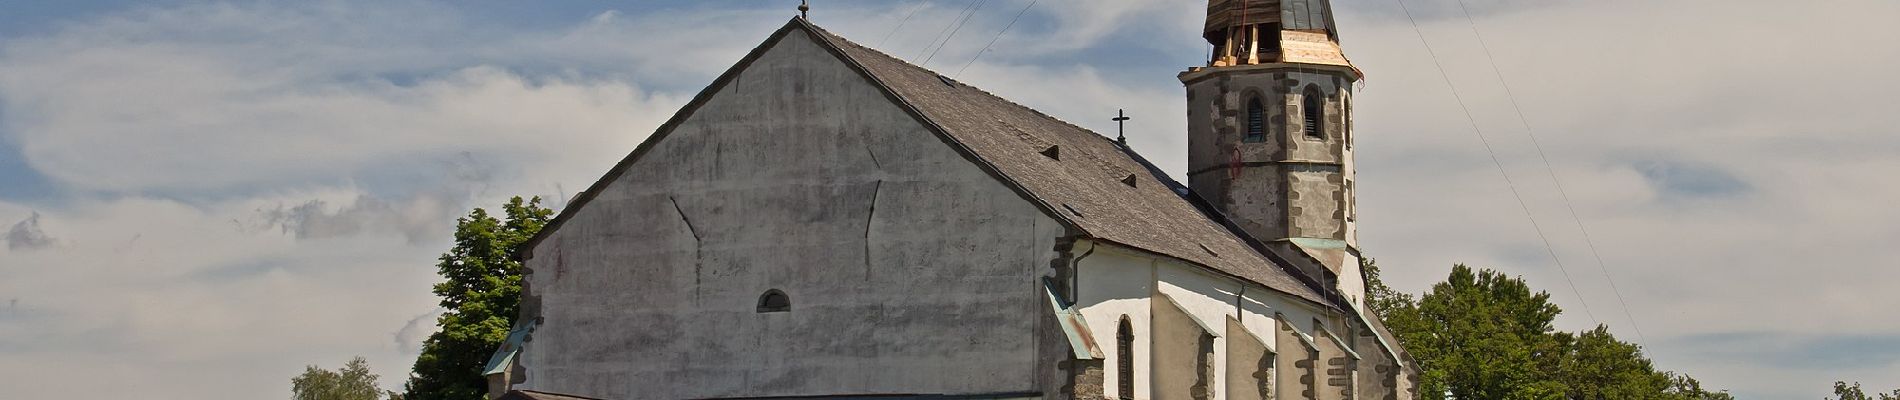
x: 352, y: 382
x: 1599, y: 366
x: 1483, y: 335
x: 1684, y: 387
x: 481, y: 292
x: 1842, y: 391
x: 1490, y: 335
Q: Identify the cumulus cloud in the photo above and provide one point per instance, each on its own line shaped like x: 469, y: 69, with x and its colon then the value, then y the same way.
x: 314, y: 219
x: 1703, y: 182
x: 340, y: 140
x: 27, y: 235
x: 420, y: 215
x: 1728, y: 171
x: 142, y: 104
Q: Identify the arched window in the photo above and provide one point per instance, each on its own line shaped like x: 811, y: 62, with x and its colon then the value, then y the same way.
x: 1125, y: 360
x: 1314, y: 111
x: 1256, y: 121
x: 774, y: 301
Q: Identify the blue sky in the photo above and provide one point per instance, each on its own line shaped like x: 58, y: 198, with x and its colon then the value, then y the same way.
x: 239, y: 190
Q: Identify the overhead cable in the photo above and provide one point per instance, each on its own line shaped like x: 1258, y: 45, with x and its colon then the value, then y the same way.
x: 1475, y: 129
x: 1532, y: 133
x: 999, y: 35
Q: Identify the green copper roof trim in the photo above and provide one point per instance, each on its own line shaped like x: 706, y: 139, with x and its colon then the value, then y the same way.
x: 505, y: 356
x: 1319, y: 244
x: 1076, y: 329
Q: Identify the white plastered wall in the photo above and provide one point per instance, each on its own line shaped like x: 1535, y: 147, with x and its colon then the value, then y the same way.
x: 1112, y: 285
x: 1115, y: 281
x: 1352, y: 282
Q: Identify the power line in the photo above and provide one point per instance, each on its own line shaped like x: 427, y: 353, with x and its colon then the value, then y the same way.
x: 1494, y: 160
x: 999, y: 35
x: 953, y: 33
x: 946, y: 29
x: 900, y: 24
x: 1532, y: 133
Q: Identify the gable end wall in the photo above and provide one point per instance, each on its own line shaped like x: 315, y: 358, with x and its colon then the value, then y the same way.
x: 909, y: 269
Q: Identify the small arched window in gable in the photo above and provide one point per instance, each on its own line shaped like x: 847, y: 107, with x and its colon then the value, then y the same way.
x: 774, y: 301
x: 1125, y: 360
x: 1313, y: 109
x: 1256, y: 121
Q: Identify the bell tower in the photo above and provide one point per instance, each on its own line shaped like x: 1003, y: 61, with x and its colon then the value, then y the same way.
x: 1270, y: 132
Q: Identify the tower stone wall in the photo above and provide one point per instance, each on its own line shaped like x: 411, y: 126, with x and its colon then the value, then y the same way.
x: 1270, y: 131
x: 1286, y: 183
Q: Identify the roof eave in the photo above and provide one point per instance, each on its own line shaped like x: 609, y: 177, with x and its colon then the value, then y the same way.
x: 1315, y: 299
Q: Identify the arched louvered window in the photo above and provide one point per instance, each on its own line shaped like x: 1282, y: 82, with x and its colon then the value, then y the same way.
x: 1256, y: 120
x: 774, y: 301
x: 1125, y: 360
x: 1313, y: 108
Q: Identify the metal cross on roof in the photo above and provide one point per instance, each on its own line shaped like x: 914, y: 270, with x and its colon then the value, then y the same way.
x: 1120, y: 120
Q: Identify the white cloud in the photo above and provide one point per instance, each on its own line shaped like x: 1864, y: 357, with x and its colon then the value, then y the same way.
x: 142, y: 103
x: 257, y: 188
x: 151, y: 283
x: 1725, y: 168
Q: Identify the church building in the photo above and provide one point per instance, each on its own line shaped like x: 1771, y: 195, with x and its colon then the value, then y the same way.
x: 827, y: 221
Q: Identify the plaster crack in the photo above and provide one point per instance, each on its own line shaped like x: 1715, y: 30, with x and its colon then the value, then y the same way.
x: 698, y: 252
x: 874, y: 163
x: 870, y: 216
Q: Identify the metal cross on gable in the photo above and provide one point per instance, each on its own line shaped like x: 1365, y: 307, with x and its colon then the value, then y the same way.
x: 1121, y: 120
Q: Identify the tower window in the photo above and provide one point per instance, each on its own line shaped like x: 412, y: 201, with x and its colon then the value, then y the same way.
x: 1256, y: 121
x: 1314, y: 111
x: 774, y: 301
x: 1125, y: 360
x: 1270, y: 40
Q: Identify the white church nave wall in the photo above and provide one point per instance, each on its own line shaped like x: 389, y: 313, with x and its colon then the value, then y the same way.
x: 908, y: 268
x: 1112, y: 285
x: 1157, y: 294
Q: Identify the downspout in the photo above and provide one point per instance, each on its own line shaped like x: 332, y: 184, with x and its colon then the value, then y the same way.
x: 1075, y: 274
x: 1075, y: 287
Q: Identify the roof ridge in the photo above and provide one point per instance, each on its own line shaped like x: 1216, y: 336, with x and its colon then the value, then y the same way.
x: 844, y: 41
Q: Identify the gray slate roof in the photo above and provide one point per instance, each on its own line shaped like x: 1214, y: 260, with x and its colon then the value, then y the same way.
x: 1085, y: 186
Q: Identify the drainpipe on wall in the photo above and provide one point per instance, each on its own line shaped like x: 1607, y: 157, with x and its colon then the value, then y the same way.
x: 1075, y: 274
